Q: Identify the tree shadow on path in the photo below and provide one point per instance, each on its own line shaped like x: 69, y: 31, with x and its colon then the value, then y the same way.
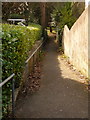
x: 60, y: 94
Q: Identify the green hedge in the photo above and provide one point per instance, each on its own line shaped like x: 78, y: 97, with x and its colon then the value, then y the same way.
x: 17, y: 41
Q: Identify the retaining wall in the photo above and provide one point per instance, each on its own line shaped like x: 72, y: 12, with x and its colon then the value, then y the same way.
x: 75, y: 43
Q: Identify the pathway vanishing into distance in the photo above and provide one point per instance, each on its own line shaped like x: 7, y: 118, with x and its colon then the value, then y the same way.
x: 61, y: 94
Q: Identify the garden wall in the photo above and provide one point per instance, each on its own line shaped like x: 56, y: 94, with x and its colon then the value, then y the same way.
x: 75, y: 43
x: 29, y: 67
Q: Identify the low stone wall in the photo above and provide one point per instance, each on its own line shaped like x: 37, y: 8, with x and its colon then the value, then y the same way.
x: 75, y: 43
x: 29, y: 66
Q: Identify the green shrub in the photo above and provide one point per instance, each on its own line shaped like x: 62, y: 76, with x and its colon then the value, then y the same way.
x: 15, y: 16
x: 17, y: 41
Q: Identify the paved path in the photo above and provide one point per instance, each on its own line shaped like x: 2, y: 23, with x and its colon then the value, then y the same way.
x: 61, y: 95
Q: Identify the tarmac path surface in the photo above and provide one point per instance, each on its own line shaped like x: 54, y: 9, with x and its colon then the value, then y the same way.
x: 61, y: 94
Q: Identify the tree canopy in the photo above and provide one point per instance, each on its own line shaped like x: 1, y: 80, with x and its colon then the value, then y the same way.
x: 60, y: 13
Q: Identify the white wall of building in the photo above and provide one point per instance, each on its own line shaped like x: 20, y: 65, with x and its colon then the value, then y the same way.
x: 87, y: 2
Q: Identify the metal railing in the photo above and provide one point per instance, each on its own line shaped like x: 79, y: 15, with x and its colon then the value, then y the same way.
x: 11, y: 77
x: 13, y: 81
x: 33, y: 53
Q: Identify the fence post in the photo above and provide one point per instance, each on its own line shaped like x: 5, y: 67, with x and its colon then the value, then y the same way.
x: 33, y: 63
x: 13, y: 98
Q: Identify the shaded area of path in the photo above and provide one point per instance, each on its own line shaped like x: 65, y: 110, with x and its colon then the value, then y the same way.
x: 61, y: 95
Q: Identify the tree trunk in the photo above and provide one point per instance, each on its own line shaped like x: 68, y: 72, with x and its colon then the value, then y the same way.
x: 43, y: 14
x: 51, y: 29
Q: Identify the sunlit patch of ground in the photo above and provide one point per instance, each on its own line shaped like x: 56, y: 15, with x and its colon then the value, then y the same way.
x: 53, y: 32
x: 72, y: 73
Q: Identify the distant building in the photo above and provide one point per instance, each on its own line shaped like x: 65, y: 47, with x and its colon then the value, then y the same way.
x: 15, y: 20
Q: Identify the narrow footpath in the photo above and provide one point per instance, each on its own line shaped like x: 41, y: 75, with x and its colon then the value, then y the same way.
x: 61, y: 94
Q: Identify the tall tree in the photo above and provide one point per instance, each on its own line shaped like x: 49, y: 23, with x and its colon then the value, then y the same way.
x: 43, y: 14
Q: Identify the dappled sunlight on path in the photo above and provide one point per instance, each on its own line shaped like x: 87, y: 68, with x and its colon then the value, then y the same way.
x: 72, y: 73
x: 61, y: 95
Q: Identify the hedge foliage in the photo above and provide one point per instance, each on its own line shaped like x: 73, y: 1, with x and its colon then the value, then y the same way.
x: 17, y: 41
